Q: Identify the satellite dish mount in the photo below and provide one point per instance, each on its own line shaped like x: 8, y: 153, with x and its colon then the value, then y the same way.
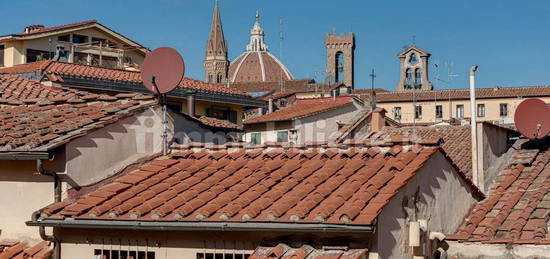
x: 162, y: 72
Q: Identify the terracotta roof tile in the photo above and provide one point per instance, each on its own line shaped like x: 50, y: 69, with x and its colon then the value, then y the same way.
x: 16, y: 250
x: 455, y: 141
x: 57, y: 28
x: 518, y: 206
x: 260, y: 185
x: 459, y: 94
x: 61, y: 69
x: 34, y: 126
x: 302, y: 108
x: 283, y: 251
x: 217, y: 123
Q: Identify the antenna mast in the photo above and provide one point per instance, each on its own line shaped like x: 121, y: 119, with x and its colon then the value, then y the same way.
x: 372, y: 94
x: 281, y: 39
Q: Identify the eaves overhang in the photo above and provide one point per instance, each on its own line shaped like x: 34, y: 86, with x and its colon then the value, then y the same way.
x: 203, y: 226
x: 179, y: 92
x: 26, y: 155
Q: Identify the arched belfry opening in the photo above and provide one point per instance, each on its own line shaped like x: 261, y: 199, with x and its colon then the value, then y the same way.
x: 339, y: 77
x: 413, y: 69
x: 418, y: 78
x: 340, y: 58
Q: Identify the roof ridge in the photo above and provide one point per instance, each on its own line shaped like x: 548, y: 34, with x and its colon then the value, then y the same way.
x: 352, y: 143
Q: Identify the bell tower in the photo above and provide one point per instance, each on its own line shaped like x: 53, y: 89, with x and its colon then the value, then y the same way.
x: 340, y: 58
x: 413, y: 69
x: 216, y: 63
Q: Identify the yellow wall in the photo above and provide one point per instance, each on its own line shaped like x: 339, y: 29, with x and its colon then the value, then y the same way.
x: 201, y: 106
x: 15, y: 51
x: 492, y: 109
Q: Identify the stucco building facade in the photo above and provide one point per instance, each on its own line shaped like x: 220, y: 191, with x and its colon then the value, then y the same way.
x: 87, y: 42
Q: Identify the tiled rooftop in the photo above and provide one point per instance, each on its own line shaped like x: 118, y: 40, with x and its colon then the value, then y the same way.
x: 456, y: 141
x: 359, y: 120
x: 217, y: 123
x: 35, y: 117
x: 56, y: 28
x: 56, y: 70
x: 457, y: 94
x: 283, y: 251
x: 302, y: 108
x: 21, y: 250
x: 239, y: 183
x: 517, y: 209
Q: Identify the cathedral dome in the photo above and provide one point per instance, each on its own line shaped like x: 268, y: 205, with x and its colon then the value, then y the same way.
x: 256, y: 64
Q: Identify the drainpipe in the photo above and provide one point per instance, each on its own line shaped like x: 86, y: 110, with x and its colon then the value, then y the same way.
x: 473, y: 126
x: 57, y: 198
x: 191, y: 105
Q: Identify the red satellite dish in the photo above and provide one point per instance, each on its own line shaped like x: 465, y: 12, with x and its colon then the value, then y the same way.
x: 532, y: 118
x: 162, y: 70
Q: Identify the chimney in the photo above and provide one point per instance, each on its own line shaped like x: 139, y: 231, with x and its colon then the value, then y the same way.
x: 33, y: 28
x: 191, y: 105
x: 270, y: 105
x: 378, y: 121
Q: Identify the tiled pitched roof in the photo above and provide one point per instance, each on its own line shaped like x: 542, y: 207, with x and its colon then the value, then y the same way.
x: 61, y: 69
x: 457, y: 94
x: 368, y: 91
x: 361, y: 117
x: 341, y: 185
x: 20, y: 90
x: 57, y: 28
x: 517, y: 209
x: 20, y: 250
x: 35, y: 117
x: 217, y: 123
x: 36, y: 30
x: 302, y: 108
x: 283, y: 251
x: 456, y: 141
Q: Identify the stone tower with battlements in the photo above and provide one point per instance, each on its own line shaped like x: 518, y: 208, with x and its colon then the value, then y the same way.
x: 340, y: 58
x: 216, y: 64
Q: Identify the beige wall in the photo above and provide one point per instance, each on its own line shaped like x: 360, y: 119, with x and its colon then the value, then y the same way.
x: 13, y: 53
x: 319, y: 127
x: 102, y: 153
x: 497, y: 251
x: 492, y: 109
x: 201, y: 106
x: 22, y: 191
x: 80, y: 243
x: 324, y: 126
x: 444, y: 200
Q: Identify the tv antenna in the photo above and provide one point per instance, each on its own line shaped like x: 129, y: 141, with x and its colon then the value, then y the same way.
x: 372, y: 94
x: 162, y: 71
x: 281, y: 39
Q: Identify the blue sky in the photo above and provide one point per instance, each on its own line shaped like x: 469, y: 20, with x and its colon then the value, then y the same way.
x: 509, y: 40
